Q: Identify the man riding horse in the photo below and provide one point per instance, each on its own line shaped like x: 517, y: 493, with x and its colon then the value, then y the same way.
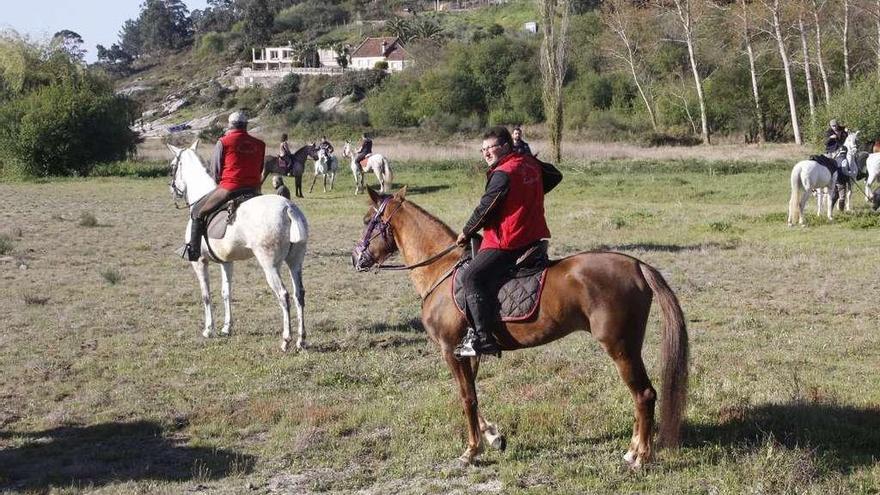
x: 511, y: 214
x: 237, y: 166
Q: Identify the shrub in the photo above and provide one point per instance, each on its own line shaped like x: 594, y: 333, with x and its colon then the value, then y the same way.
x: 858, y: 109
x: 381, y: 65
x: 310, y: 16
x: 249, y: 99
x: 355, y: 83
x: 5, y: 244
x: 111, y: 275
x: 65, y: 129
x: 391, y: 104
x: 212, y: 133
x: 87, y: 219
x: 284, y: 95
x: 448, y: 92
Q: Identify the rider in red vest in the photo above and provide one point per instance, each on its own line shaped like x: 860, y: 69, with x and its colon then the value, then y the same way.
x: 511, y: 214
x: 237, y: 166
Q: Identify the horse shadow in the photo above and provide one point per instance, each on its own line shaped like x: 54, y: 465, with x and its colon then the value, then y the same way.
x: 413, y: 325
x: 665, y: 248
x: 845, y: 437
x: 426, y: 189
x: 107, y: 453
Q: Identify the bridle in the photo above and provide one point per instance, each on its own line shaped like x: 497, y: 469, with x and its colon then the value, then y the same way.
x: 177, y: 193
x: 378, y: 227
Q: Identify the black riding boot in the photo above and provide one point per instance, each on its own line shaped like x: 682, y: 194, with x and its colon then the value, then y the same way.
x: 479, y: 339
x: 193, y: 249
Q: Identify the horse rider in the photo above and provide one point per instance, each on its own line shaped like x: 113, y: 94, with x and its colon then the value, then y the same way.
x: 280, y: 188
x: 237, y: 166
x: 511, y: 214
x: 326, y: 146
x: 365, y: 147
x: 834, y: 137
x: 284, y: 154
x: 519, y: 145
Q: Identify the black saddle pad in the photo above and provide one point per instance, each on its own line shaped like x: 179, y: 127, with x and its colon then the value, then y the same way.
x: 225, y: 216
x: 826, y: 162
x: 519, y: 295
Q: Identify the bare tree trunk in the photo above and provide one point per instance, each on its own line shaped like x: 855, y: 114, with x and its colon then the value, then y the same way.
x: 683, y: 7
x: 846, y: 68
x: 807, y: 73
x: 747, y: 36
x: 786, y: 66
x: 877, y: 22
x: 554, y: 16
x: 616, y: 16
x: 817, y: 6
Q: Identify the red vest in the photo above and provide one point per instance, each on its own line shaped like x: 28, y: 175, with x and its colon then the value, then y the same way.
x: 519, y: 221
x: 243, y: 157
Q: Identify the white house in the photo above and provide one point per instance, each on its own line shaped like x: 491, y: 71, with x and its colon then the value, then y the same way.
x: 384, y: 49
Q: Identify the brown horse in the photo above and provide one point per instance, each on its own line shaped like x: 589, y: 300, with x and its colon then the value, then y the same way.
x: 607, y: 294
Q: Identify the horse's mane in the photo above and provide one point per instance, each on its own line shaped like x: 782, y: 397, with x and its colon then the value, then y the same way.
x: 298, y: 154
x: 431, y: 219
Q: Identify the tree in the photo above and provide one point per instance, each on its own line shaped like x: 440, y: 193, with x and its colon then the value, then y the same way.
x: 779, y: 37
x: 744, y: 14
x: 621, y: 17
x: 688, y: 14
x: 816, y: 7
x: 115, y: 60
x: 554, y: 25
x: 258, y: 20
x: 69, y: 42
x: 807, y: 74
x: 846, y: 68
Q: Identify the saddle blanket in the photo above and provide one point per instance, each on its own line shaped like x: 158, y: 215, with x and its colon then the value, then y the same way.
x: 363, y: 162
x: 826, y: 162
x: 518, y: 298
x: 225, y: 216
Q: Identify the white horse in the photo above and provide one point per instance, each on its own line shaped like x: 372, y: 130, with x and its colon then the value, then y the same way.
x: 375, y: 162
x: 326, y: 166
x: 850, y: 169
x: 806, y: 176
x: 269, y: 228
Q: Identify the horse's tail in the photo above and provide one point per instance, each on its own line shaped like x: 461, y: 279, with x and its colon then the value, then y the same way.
x: 299, y: 227
x: 387, y: 174
x: 673, y: 358
x: 795, y: 199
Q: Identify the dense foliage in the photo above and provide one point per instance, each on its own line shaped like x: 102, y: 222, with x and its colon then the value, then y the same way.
x: 56, y: 118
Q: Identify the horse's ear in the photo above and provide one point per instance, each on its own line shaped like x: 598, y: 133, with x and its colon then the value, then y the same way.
x: 194, y: 145
x: 174, y: 149
x: 374, y: 196
x: 400, y: 194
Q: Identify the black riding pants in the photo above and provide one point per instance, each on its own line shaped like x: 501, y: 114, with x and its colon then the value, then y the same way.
x: 482, y: 281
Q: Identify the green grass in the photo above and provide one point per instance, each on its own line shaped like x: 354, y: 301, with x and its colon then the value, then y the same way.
x: 131, y: 168
x: 6, y: 244
x: 110, y: 387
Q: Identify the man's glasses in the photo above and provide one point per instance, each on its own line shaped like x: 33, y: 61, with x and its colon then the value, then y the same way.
x: 487, y: 148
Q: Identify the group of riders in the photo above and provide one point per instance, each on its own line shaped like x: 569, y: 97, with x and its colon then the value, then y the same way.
x: 510, y: 213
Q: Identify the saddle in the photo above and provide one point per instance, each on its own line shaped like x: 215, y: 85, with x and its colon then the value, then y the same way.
x: 363, y: 162
x: 225, y: 216
x: 520, y: 290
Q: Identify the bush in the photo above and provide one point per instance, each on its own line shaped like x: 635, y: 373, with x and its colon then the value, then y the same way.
x: 249, y: 99
x: 309, y: 16
x: 65, y: 129
x: 857, y: 109
x: 448, y: 92
x: 284, y: 95
x: 381, y: 65
x: 391, y: 104
x: 356, y: 83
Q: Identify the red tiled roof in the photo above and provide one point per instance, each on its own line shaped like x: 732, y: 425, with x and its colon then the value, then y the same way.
x: 372, y: 47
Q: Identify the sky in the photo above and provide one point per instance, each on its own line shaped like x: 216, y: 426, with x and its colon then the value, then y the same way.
x: 97, y: 21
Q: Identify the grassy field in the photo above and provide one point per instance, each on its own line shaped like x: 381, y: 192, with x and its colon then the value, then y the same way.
x: 106, y: 385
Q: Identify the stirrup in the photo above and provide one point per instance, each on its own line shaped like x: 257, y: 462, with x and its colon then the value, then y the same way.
x: 187, y: 253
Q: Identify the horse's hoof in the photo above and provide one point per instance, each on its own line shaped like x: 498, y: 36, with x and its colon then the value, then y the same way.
x: 284, y: 345
x: 226, y: 331
x: 500, y: 443
x: 629, y: 457
x: 207, y: 333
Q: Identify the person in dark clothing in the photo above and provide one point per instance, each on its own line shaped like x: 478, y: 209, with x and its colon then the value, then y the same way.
x: 237, y: 166
x: 511, y: 214
x: 325, y: 145
x: 365, y: 148
x: 520, y: 146
x: 280, y: 188
x: 834, y: 137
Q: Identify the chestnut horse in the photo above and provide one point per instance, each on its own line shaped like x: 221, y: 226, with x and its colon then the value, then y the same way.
x: 607, y: 294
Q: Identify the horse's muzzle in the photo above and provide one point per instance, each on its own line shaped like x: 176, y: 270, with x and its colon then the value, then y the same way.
x: 361, y: 259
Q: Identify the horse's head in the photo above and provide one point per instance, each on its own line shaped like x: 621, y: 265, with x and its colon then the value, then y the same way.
x: 377, y: 243
x: 182, y: 159
x: 322, y: 155
x: 346, y: 150
x: 852, y: 141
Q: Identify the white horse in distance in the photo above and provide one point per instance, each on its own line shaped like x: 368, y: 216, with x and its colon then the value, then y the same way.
x: 326, y: 166
x: 811, y: 176
x: 375, y: 162
x: 269, y: 228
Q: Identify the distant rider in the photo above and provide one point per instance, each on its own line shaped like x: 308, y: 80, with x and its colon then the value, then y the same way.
x: 365, y: 147
x: 326, y: 146
x: 237, y: 166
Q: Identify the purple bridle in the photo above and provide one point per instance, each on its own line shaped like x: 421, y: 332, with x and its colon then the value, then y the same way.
x: 361, y: 258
